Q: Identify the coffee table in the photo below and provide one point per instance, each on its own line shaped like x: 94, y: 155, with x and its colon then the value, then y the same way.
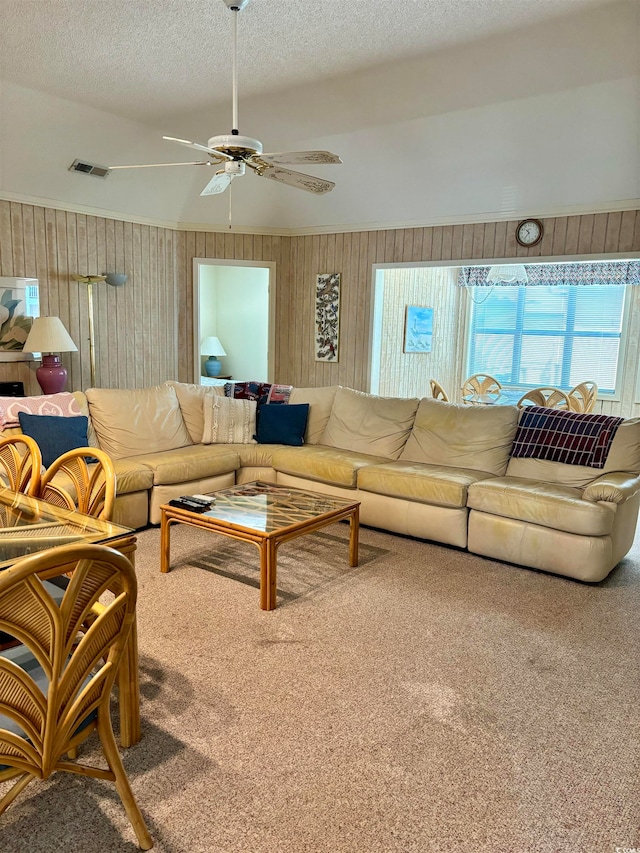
x: 266, y: 515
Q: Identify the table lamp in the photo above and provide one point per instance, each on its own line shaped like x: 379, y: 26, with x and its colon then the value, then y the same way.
x: 49, y: 337
x: 212, y: 347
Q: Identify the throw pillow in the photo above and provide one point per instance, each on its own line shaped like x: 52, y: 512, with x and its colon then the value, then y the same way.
x: 279, y: 424
x: 261, y: 392
x: 63, y: 405
x: 228, y: 421
x: 55, y: 435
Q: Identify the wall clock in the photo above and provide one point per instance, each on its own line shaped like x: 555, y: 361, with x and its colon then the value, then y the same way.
x: 529, y: 232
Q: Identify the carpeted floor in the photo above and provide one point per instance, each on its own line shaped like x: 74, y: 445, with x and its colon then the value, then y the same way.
x: 428, y: 700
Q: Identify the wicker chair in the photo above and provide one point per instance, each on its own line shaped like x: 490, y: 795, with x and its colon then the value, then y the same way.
x: 551, y: 398
x: 73, y: 482
x: 55, y: 687
x: 437, y: 391
x: 20, y: 464
x: 479, y: 384
x: 583, y: 397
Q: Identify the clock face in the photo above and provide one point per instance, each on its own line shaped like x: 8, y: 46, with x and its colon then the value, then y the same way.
x: 529, y: 232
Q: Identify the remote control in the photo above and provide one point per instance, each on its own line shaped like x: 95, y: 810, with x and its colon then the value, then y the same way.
x: 208, y: 499
x: 198, y: 499
x: 186, y: 503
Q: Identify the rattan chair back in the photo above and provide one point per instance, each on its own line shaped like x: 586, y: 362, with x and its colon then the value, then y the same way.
x: 583, y: 397
x: 437, y: 391
x: 20, y: 464
x: 551, y: 398
x: 479, y: 384
x: 74, y: 482
x: 75, y: 647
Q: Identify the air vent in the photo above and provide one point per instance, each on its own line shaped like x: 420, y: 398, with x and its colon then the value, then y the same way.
x: 89, y: 168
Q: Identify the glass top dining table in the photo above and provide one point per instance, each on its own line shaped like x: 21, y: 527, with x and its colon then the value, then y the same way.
x: 29, y: 525
x: 503, y: 397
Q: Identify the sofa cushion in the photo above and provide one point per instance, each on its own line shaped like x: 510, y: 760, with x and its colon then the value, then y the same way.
x: 459, y: 436
x: 254, y: 455
x: 133, y: 421
x: 132, y: 476
x: 415, y: 481
x: 276, y: 424
x: 324, y: 464
x: 623, y: 456
x: 365, y: 423
x: 228, y: 421
x: 195, y: 462
x: 190, y: 399
x: 320, y: 402
x: 546, y: 504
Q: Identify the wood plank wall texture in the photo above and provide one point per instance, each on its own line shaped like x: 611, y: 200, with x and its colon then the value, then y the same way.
x: 144, y: 330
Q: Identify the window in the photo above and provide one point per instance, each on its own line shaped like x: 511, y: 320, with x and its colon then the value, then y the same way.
x: 558, y: 335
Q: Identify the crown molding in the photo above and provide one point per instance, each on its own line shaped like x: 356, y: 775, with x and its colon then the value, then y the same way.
x: 432, y: 222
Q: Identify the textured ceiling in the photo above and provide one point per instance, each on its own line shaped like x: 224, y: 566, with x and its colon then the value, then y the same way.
x: 149, y: 59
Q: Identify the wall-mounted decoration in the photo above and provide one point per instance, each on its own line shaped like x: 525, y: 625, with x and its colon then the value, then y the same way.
x: 418, y: 329
x: 327, y: 316
x: 19, y: 304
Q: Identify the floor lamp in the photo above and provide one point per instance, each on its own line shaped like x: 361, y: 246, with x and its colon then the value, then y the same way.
x: 115, y: 280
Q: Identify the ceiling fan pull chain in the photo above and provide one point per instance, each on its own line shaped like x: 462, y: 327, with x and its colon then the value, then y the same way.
x: 229, y: 207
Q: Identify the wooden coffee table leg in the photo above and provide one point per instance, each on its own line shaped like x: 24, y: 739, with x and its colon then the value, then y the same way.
x: 268, y: 574
x: 164, y: 542
x: 354, y: 524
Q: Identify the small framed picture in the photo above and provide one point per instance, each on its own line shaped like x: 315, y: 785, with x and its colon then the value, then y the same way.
x: 418, y: 329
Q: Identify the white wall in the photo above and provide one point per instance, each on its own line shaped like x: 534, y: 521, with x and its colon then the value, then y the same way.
x: 234, y: 306
x: 534, y: 121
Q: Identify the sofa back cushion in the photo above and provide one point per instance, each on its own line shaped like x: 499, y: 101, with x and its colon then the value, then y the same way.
x: 459, y: 436
x: 623, y: 456
x: 135, y: 421
x: 369, y: 424
x: 191, y: 398
x: 320, y: 401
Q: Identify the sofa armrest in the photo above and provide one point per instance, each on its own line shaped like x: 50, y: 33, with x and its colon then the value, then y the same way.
x: 616, y: 487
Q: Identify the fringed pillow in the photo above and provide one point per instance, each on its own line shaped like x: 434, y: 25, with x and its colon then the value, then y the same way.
x: 228, y: 421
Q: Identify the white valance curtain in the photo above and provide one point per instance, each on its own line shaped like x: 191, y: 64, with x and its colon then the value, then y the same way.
x: 603, y: 273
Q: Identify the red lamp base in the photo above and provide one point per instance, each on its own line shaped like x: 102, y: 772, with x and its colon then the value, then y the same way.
x: 51, y: 375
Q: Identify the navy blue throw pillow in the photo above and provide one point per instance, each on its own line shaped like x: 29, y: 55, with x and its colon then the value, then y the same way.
x: 54, y: 434
x: 278, y: 424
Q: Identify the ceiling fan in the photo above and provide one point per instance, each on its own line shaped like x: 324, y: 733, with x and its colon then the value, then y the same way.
x: 235, y: 152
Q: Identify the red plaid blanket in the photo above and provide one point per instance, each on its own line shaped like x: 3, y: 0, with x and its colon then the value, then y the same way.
x: 561, y: 436
x: 261, y: 392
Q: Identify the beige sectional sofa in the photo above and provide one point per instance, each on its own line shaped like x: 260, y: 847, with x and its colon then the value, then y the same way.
x: 425, y: 468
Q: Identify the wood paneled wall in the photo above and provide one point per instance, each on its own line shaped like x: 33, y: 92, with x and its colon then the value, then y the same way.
x: 353, y: 255
x: 144, y: 330
x: 135, y: 325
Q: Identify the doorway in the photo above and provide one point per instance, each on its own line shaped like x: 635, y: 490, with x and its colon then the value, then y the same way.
x: 234, y: 301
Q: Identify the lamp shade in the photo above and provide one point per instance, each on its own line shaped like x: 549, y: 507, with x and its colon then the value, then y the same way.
x: 212, y: 346
x: 49, y: 335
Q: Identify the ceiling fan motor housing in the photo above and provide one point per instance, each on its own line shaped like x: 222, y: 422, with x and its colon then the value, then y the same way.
x: 235, y: 146
x: 234, y: 167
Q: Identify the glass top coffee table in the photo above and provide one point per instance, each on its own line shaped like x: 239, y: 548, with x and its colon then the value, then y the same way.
x: 266, y: 515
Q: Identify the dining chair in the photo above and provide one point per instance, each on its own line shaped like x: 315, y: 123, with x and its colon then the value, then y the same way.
x: 20, y: 464
x: 582, y: 398
x: 479, y: 384
x: 55, y: 687
x: 437, y: 391
x: 551, y: 398
x: 83, y: 479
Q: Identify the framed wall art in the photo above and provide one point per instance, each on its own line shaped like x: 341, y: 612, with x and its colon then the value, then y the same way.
x: 327, y: 328
x: 19, y: 304
x: 418, y: 329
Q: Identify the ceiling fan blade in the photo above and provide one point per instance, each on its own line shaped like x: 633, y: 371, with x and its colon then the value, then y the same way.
x: 153, y: 165
x: 218, y: 183
x: 297, y: 179
x: 219, y: 154
x: 291, y: 157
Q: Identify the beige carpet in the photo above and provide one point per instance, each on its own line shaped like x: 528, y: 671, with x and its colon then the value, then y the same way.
x: 427, y: 700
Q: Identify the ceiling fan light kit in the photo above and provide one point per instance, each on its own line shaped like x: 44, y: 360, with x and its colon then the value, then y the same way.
x: 235, y: 152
